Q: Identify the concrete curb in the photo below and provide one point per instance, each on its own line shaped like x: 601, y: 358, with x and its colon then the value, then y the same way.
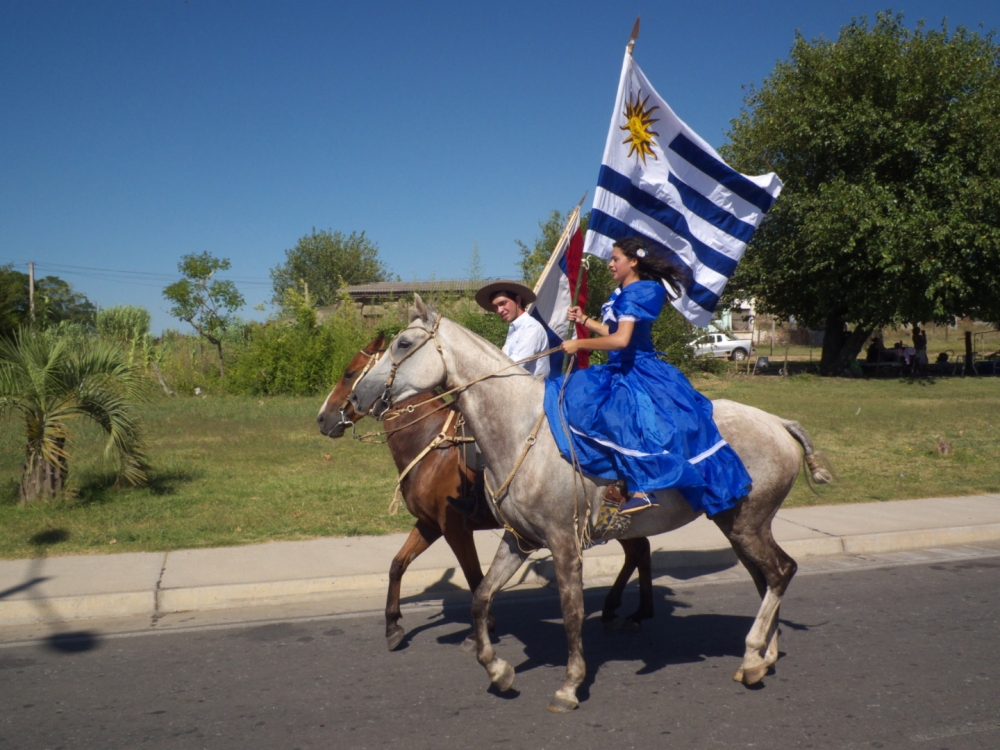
x: 539, y: 571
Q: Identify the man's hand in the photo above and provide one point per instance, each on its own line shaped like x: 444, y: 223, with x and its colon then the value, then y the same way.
x: 575, y: 314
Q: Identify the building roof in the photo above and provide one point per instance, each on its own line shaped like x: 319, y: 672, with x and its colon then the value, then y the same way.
x: 394, y: 288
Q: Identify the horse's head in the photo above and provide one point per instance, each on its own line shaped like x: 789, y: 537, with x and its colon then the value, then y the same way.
x: 412, y: 364
x: 337, y: 411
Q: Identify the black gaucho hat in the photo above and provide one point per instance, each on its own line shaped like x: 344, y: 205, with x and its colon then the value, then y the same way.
x: 485, y: 295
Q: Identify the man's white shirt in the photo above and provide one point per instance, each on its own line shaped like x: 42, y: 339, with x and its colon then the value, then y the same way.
x: 525, y: 338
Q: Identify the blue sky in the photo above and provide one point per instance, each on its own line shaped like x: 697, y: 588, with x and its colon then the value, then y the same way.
x: 132, y: 133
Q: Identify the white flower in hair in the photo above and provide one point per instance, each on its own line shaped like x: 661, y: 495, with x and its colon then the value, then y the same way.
x: 641, y: 252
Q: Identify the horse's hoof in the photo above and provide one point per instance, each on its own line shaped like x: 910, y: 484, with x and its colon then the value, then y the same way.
x: 630, y: 626
x: 502, y: 675
x: 394, y: 637
x: 754, y: 675
x: 609, y: 625
x: 738, y: 677
x: 468, y: 645
x: 563, y: 705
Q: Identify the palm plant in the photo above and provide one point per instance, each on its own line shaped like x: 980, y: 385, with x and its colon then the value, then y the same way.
x: 50, y: 384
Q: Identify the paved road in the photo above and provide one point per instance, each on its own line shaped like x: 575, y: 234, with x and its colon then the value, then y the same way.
x: 894, y: 652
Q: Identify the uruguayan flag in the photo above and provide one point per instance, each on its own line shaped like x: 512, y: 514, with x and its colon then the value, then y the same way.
x: 554, y: 292
x: 660, y: 180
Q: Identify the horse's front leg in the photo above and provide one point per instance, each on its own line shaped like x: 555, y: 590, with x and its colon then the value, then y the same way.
x: 463, y: 544
x: 569, y: 577
x: 421, y: 537
x: 507, y: 560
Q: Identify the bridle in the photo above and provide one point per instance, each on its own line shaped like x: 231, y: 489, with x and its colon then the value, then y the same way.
x: 495, y: 495
x: 386, y: 397
x: 373, y: 359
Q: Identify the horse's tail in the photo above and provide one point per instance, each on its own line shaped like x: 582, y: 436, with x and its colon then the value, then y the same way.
x: 818, y: 467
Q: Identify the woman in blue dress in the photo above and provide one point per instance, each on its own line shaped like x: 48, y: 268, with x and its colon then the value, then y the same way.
x: 638, y: 418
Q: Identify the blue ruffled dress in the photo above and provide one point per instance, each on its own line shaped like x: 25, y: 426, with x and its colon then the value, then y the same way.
x: 638, y: 418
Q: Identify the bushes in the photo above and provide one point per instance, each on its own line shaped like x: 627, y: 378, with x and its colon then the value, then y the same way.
x: 298, y: 357
x: 123, y: 322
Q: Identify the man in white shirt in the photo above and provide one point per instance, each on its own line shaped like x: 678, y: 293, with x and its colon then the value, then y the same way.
x: 526, y: 336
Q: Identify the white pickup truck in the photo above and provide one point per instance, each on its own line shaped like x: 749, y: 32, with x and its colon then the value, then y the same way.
x: 722, y: 345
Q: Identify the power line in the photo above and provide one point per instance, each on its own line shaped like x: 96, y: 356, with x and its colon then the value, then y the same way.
x: 132, y: 278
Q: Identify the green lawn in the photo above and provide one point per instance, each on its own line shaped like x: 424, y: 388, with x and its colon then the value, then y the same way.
x: 240, y: 470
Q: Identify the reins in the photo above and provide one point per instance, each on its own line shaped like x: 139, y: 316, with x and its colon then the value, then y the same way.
x: 497, y: 496
x: 372, y: 437
x: 442, y: 437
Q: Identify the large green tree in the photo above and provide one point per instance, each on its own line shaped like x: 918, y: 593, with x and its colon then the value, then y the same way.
x: 50, y: 385
x: 888, y: 142
x: 323, y: 261
x: 207, y: 303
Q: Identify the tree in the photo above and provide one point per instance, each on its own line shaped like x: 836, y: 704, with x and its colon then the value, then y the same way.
x: 50, y: 384
x: 13, y: 300
x: 888, y: 141
x: 55, y: 302
x: 474, y: 271
x: 207, y: 304
x: 322, y: 262
x: 536, y: 256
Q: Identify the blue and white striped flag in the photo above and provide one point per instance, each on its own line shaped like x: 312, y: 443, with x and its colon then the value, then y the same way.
x: 660, y: 180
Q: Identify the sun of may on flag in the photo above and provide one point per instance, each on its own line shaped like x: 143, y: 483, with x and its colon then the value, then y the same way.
x: 661, y: 181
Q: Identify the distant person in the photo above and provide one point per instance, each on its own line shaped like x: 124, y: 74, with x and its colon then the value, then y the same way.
x: 920, y: 345
x: 876, y: 350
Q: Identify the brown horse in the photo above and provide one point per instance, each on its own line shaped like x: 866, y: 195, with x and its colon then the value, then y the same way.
x: 442, y: 473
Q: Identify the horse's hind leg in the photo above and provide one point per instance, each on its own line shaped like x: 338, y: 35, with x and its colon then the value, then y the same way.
x: 421, y: 537
x: 505, y: 564
x: 637, y: 555
x: 748, y: 529
x: 569, y: 577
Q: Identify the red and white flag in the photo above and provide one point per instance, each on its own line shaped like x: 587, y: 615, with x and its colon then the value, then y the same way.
x: 556, y: 289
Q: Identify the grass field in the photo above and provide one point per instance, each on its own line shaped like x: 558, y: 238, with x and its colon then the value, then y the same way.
x: 232, y: 470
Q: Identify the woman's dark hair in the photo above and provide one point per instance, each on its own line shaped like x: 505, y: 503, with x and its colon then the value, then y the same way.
x: 652, y: 266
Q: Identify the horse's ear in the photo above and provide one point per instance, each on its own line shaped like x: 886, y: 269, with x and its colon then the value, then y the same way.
x: 422, y: 311
x: 377, y: 343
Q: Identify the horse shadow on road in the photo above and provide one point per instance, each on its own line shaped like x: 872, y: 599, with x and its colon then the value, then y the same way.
x: 671, y: 637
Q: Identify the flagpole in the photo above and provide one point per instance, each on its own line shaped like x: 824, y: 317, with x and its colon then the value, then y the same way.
x: 563, y: 239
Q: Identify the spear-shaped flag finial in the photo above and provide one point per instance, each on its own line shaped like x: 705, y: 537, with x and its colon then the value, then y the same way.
x: 634, y: 36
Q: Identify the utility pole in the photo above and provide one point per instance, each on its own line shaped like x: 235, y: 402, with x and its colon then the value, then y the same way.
x: 31, y: 292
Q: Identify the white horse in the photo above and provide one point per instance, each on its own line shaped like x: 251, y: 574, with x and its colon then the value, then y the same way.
x: 547, y: 504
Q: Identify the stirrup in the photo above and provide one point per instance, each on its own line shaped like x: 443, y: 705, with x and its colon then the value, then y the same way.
x: 638, y: 504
